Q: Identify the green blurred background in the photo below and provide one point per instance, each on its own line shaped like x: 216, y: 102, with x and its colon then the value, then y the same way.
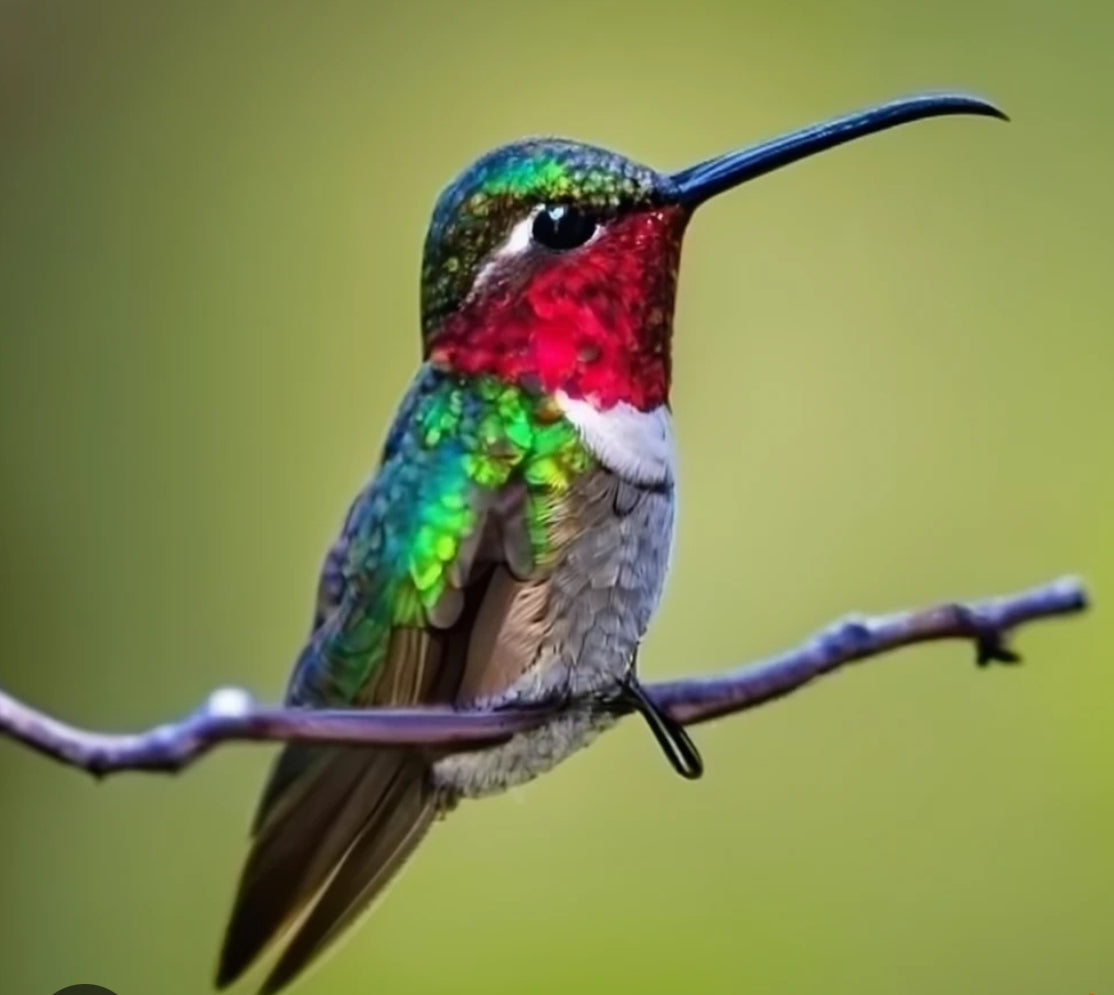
x: 894, y: 383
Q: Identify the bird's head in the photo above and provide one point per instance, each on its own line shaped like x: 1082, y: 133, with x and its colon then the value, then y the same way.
x: 553, y: 263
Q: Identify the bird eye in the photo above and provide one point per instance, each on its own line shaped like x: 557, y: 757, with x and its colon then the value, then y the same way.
x: 561, y: 227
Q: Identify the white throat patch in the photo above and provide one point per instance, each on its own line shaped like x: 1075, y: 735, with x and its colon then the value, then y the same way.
x: 637, y: 445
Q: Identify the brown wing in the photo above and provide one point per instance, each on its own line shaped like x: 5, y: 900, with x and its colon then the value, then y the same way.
x: 334, y: 824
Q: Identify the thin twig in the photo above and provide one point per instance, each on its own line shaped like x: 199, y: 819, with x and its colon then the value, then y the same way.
x: 984, y: 623
x: 231, y: 714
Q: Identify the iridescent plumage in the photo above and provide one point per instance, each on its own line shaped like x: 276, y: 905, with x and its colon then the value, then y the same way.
x: 477, y: 210
x: 410, y: 536
x: 514, y: 542
x: 492, y: 557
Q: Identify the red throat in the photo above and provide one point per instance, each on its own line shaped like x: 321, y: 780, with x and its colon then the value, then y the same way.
x: 595, y: 323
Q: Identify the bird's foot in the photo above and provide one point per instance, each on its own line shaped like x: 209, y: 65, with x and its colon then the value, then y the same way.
x: 678, y: 748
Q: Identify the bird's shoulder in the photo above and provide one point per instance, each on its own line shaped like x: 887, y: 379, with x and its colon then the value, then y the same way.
x: 471, y: 468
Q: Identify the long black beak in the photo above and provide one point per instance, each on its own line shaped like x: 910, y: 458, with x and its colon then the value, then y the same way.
x: 706, y: 179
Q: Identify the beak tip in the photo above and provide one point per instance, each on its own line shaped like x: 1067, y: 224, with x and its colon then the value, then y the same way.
x: 970, y: 104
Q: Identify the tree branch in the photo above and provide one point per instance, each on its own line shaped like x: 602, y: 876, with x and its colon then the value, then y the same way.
x: 231, y: 714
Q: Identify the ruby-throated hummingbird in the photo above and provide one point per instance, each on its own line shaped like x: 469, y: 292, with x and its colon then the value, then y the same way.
x: 513, y: 543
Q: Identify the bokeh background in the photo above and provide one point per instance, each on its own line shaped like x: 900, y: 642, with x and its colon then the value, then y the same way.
x: 894, y: 383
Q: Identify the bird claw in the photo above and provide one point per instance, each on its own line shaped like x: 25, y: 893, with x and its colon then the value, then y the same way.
x: 675, y: 743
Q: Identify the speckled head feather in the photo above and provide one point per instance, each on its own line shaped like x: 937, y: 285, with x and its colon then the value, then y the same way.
x: 475, y: 214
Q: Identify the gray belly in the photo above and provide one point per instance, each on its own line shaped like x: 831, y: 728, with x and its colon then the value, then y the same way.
x: 599, y: 599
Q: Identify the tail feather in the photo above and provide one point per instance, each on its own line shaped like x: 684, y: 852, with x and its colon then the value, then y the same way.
x: 336, y: 823
x: 392, y: 833
x: 347, y: 799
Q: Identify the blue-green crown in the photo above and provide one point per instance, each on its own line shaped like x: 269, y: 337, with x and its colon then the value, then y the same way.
x: 477, y: 211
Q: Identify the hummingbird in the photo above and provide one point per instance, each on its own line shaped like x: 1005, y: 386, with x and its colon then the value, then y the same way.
x: 514, y: 540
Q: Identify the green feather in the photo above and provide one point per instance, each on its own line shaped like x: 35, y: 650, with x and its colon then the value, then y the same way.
x: 457, y: 440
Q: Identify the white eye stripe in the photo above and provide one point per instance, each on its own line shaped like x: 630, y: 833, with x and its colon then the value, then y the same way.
x: 519, y: 240
x: 516, y: 243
